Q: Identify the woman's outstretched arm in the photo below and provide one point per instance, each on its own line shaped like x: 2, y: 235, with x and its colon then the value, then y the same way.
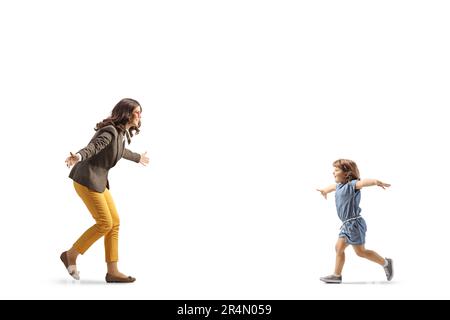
x: 93, y: 148
x: 136, y: 157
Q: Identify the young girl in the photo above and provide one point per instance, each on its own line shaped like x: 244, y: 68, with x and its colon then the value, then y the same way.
x: 353, y: 229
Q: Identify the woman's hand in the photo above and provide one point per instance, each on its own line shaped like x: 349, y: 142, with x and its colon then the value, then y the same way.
x: 71, y: 160
x: 144, y: 159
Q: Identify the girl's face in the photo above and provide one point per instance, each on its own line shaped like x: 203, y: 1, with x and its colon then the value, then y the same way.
x: 339, y: 175
x: 136, y: 117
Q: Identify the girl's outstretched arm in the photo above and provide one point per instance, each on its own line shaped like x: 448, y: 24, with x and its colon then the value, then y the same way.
x: 327, y: 190
x: 371, y: 182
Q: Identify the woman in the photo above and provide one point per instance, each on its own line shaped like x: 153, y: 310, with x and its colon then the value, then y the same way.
x: 90, y: 179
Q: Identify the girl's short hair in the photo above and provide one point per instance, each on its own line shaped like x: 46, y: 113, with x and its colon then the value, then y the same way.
x: 349, y: 167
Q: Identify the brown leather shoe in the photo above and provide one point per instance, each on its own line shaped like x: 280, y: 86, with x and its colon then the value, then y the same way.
x: 112, y: 279
x: 71, y: 269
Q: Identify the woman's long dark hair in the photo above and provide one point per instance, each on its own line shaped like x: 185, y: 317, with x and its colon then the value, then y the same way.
x: 120, y: 116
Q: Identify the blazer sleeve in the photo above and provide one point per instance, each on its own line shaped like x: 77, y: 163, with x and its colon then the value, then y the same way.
x: 96, y: 145
x: 132, y: 156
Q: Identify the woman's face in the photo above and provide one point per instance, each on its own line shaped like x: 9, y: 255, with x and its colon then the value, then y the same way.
x: 339, y: 175
x: 136, y: 117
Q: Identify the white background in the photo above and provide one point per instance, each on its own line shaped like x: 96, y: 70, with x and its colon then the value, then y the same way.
x: 246, y: 104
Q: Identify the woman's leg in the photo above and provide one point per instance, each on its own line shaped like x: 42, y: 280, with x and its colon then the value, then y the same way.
x: 112, y: 239
x: 98, y: 207
x: 362, y: 252
x: 341, y: 244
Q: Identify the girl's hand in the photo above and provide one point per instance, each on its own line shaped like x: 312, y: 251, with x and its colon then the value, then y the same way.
x: 324, y: 194
x: 144, y: 159
x: 71, y: 160
x: 382, y: 184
